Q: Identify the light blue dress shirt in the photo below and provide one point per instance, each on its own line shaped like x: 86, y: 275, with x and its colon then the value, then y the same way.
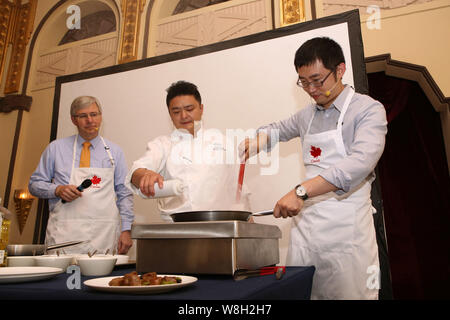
x: 55, y: 167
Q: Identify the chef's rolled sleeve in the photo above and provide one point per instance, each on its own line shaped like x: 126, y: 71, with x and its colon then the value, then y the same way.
x: 363, y: 131
x: 364, y: 152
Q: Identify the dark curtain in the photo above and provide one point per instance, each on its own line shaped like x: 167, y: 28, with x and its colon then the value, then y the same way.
x: 415, y: 187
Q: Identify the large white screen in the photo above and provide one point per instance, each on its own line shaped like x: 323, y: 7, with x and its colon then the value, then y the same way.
x: 241, y: 87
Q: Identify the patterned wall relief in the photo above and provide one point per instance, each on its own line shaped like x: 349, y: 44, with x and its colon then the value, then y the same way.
x: 93, y: 46
x: 89, y: 54
x: 185, y: 31
x: 331, y: 7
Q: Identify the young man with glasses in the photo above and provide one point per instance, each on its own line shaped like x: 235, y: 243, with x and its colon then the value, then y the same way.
x: 103, y: 212
x: 343, y: 137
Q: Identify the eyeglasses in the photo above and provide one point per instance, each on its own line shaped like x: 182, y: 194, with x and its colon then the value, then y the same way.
x: 315, y: 83
x: 86, y: 115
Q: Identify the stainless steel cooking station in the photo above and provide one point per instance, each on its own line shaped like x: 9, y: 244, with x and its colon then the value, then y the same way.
x: 219, y: 247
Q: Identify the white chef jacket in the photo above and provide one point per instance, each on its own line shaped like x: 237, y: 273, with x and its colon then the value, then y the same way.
x: 200, y: 164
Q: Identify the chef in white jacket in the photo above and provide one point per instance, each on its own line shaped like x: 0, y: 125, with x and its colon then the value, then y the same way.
x: 192, y: 155
x: 343, y: 136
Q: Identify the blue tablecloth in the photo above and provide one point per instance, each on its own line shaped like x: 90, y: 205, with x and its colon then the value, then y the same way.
x: 295, y: 285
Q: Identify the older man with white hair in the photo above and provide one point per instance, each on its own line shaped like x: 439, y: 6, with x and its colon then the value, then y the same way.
x: 101, y: 213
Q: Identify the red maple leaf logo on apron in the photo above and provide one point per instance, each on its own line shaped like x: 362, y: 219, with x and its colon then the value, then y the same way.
x: 315, y: 151
x: 96, y: 180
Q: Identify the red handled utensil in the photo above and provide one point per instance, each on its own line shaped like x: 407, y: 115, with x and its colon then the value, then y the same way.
x: 240, y: 182
x: 243, y: 274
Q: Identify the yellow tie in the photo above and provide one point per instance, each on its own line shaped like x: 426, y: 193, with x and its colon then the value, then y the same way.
x: 85, y: 159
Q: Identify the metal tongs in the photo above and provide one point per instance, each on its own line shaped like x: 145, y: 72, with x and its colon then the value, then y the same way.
x: 244, y: 274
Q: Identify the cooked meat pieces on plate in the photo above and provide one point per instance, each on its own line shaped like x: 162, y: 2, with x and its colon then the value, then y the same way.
x: 147, y: 279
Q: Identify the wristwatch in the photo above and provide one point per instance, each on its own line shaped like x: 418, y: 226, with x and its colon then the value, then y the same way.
x: 300, y: 191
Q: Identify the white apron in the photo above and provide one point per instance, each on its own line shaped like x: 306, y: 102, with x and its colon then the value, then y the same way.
x: 334, y: 233
x: 94, y: 216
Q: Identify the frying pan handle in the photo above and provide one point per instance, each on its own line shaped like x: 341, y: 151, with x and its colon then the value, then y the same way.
x: 263, y: 213
x: 65, y: 244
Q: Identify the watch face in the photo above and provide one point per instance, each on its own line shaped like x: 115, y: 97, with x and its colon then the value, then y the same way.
x: 300, y: 191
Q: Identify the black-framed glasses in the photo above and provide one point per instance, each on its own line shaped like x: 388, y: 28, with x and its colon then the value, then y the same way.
x: 315, y: 83
x: 85, y: 115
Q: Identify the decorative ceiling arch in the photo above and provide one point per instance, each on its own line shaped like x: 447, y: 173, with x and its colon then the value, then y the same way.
x: 55, y: 10
x: 62, y: 50
x: 189, y: 5
x: 92, y: 25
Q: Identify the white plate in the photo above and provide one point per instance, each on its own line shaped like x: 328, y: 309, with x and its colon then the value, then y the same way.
x: 25, y: 274
x: 101, y: 284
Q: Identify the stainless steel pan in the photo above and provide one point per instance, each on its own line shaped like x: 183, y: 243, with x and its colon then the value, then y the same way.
x: 216, y: 215
x: 36, y: 249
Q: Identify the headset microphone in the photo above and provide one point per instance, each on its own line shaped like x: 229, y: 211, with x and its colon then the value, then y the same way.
x: 328, y: 92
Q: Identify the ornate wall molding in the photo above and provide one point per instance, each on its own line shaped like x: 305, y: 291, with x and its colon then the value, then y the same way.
x: 23, y: 27
x: 7, y: 9
x: 131, y: 12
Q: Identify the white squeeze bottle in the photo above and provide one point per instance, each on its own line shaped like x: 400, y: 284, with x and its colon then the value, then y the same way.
x: 170, y: 188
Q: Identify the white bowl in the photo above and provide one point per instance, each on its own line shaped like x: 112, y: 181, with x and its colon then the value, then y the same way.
x: 78, y: 256
x: 97, y: 265
x: 54, y: 261
x: 21, y: 261
x: 121, y: 258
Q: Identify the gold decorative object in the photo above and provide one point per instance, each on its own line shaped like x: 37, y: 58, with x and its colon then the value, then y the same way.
x: 131, y: 12
x: 23, y: 200
x: 292, y: 11
x: 23, y: 27
x: 8, y: 10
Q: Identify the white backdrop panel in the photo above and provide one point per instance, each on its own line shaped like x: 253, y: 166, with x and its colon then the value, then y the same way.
x: 242, y: 87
